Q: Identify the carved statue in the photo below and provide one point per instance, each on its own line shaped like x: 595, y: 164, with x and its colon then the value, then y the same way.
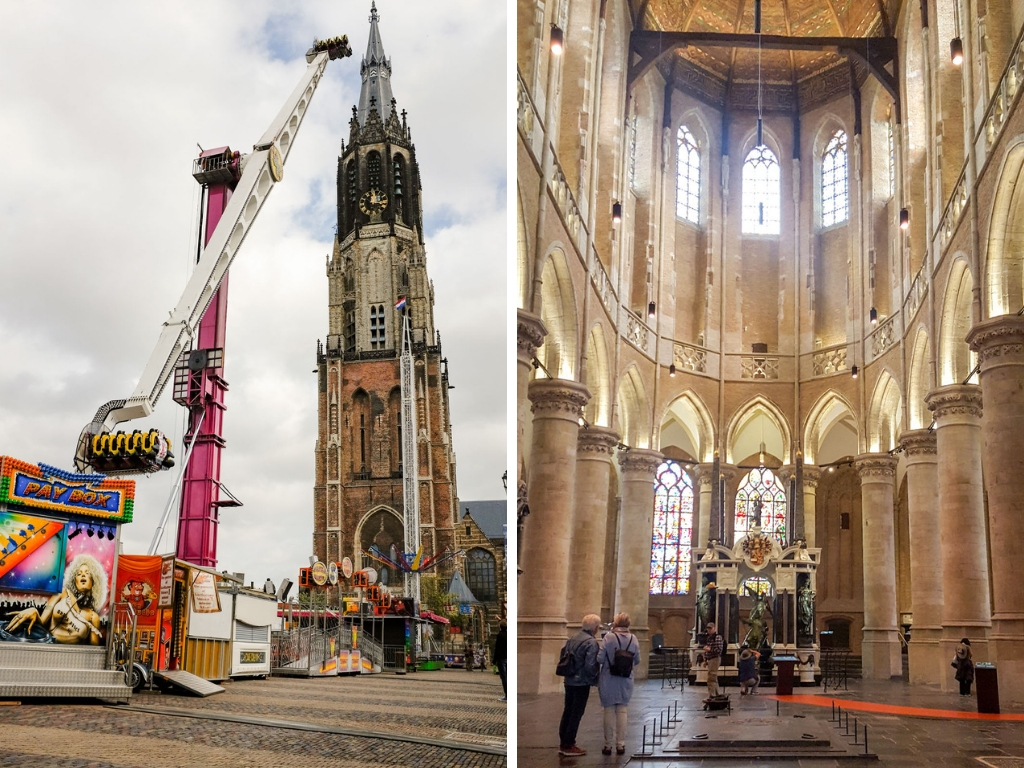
x: 805, y: 610
x: 756, y: 621
x: 704, y: 603
x: 755, y: 514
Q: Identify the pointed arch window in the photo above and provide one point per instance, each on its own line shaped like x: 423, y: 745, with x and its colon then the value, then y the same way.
x: 480, y: 575
x: 761, y: 192
x: 378, y: 339
x: 687, y: 176
x: 835, y: 198
x: 761, y: 485
x: 673, y: 531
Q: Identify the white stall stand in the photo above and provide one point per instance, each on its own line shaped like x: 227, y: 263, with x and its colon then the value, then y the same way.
x: 255, y: 613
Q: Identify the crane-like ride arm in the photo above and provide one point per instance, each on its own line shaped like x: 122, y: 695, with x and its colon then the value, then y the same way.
x: 135, y: 453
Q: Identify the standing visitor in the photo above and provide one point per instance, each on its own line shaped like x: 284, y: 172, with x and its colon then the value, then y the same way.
x: 713, y: 656
x: 582, y: 648
x: 620, y: 652
x: 500, y: 656
x: 964, y: 663
x: 469, y: 657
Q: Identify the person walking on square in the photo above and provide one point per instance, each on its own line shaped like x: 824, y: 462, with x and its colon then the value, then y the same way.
x: 500, y: 656
x: 713, y: 656
x: 748, y: 670
x: 964, y: 663
x: 616, y: 682
x: 583, y: 648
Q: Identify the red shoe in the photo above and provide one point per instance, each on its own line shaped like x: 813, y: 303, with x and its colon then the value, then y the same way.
x: 572, y: 751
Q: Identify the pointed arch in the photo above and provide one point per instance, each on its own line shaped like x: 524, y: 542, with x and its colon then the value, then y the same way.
x: 558, y: 313
x: 633, y: 410
x: 756, y: 414
x: 761, y: 192
x: 831, y: 166
x: 831, y: 429
x: 687, y: 420
x: 598, y: 410
x: 956, y: 358
x: 384, y: 527
x: 885, y: 414
x: 917, y: 382
x: 1004, y: 262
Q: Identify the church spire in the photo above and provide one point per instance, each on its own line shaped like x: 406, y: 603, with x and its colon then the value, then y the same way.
x: 376, y: 74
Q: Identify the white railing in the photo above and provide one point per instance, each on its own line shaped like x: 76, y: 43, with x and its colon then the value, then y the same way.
x: 915, y: 297
x: 637, y: 332
x: 829, y: 361
x: 603, y: 287
x: 759, y: 367
x: 690, y: 358
x: 882, y: 338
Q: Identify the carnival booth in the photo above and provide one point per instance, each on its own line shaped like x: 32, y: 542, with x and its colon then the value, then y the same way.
x: 744, y: 588
x: 59, y: 534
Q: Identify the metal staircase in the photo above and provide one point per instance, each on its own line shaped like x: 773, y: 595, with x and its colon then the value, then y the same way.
x: 58, y: 671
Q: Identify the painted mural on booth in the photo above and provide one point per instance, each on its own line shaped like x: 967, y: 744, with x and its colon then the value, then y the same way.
x: 54, y: 579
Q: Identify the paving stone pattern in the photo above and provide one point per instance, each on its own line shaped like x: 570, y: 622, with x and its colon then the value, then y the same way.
x: 442, y: 705
x: 900, y: 742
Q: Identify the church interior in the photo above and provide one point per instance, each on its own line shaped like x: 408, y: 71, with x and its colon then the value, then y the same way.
x: 770, y: 296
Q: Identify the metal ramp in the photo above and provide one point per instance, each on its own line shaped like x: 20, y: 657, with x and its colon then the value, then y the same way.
x: 187, y: 682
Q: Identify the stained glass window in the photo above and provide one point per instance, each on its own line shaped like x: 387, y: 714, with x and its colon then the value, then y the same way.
x: 687, y: 176
x: 761, y: 485
x: 757, y: 584
x: 761, y: 192
x: 835, y: 204
x: 673, y: 531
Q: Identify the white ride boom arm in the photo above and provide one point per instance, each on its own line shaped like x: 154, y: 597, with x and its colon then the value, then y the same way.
x: 248, y: 198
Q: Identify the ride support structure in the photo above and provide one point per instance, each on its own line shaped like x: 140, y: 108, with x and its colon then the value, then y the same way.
x: 410, y: 461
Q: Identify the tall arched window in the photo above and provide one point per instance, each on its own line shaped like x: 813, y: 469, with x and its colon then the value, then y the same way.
x: 761, y: 192
x: 673, y: 531
x: 835, y: 199
x: 761, y: 485
x: 687, y: 176
x: 480, y: 572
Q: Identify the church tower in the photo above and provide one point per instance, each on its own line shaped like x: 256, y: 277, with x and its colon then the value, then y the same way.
x: 378, y: 262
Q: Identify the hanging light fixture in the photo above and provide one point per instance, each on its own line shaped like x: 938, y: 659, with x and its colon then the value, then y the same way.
x: 854, y: 371
x: 672, y: 369
x: 760, y: 116
x: 874, y: 316
x: 956, y: 45
x: 556, y: 40
x: 904, y: 218
x: 616, y: 213
x: 651, y: 310
x: 956, y: 51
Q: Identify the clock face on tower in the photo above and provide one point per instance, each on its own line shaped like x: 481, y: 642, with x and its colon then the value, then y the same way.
x: 373, y: 202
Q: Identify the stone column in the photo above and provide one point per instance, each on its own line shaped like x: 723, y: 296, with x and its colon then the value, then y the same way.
x: 530, y: 333
x: 636, y: 529
x: 927, y: 664
x: 557, y: 407
x: 880, y: 648
x: 812, y: 475
x: 965, y: 587
x: 590, y: 523
x: 999, y: 343
x: 730, y: 476
x: 704, y: 476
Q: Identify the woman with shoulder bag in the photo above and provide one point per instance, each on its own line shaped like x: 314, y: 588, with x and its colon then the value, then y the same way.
x: 964, y: 664
x: 620, y: 653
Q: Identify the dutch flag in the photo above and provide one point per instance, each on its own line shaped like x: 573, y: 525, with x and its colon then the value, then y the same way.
x: 400, y: 304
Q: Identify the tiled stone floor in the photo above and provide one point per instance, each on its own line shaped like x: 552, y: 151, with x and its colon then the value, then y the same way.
x: 897, y: 740
x: 432, y: 719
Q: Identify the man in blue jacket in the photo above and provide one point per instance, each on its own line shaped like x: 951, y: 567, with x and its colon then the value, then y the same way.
x: 583, y: 647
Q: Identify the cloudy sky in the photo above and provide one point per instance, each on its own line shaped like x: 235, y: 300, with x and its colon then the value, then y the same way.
x: 102, y: 106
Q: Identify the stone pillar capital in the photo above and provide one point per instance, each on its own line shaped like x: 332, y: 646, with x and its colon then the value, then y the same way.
x: 596, y: 443
x: 955, y: 404
x: 812, y: 476
x: 785, y: 473
x: 919, y: 446
x: 640, y: 461
x: 530, y: 333
x: 728, y: 472
x: 875, y: 468
x: 704, y: 474
x: 998, y: 341
x: 558, y: 399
